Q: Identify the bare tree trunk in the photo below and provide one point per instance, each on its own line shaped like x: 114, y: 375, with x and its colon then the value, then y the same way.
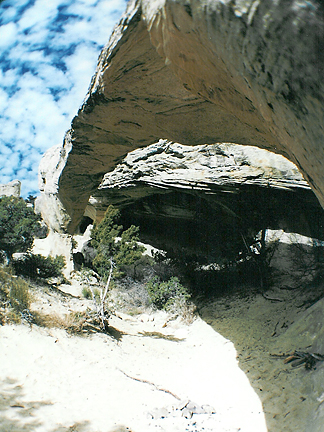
x: 259, y: 259
x: 103, y: 296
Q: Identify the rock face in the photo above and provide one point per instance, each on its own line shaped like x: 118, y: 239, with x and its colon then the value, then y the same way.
x: 212, y: 169
x: 201, y: 200
x: 200, y: 72
x: 11, y: 189
x: 48, y: 203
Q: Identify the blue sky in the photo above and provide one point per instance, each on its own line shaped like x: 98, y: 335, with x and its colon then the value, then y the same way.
x: 48, y: 54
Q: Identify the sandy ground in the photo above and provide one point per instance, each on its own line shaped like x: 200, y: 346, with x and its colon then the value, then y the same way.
x: 52, y: 381
x: 292, y: 398
x: 145, y: 378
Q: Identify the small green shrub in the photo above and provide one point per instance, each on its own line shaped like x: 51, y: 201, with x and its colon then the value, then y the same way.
x: 86, y: 292
x: 5, y: 280
x: 38, y: 266
x: 164, y: 294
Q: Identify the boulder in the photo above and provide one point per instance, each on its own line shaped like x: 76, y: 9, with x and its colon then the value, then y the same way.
x: 56, y: 244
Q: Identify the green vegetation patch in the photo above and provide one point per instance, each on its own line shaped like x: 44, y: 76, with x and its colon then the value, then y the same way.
x: 18, y: 224
x: 164, y: 294
x: 37, y: 266
x: 114, y: 244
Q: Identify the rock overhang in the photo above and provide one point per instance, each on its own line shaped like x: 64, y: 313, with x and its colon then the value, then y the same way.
x: 199, y: 72
x: 207, y: 200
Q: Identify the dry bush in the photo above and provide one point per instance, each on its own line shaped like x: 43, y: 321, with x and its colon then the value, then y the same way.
x: 19, y: 295
x: 15, y: 297
x: 48, y: 320
x: 182, y: 308
x: 73, y: 322
x: 3, y: 316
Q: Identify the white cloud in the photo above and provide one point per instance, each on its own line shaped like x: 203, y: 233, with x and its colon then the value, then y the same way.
x: 7, y: 161
x: 48, y: 55
x: 41, y: 12
x: 7, y: 35
x: 8, y: 14
x: 7, y: 78
x: 3, y: 98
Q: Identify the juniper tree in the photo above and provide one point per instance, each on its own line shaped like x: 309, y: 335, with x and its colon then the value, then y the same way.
x: 18, y: 224
x: 112, y: 243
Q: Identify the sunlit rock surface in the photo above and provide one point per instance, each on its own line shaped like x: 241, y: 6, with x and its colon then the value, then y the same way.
x: 212, y: 169
x: 48, y: 203
x: 11, y: 189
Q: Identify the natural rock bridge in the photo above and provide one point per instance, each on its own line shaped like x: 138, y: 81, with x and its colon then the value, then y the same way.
x: 195, y: 72
x: 211, y: 74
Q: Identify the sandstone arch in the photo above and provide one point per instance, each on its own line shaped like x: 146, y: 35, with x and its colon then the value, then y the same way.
x: 198, y: 72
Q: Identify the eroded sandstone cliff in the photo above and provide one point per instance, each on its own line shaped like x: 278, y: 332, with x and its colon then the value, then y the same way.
x: 198, y: 72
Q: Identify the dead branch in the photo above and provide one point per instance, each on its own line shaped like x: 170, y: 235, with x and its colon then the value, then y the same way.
x: 299, y: 358
x: 151, y: 384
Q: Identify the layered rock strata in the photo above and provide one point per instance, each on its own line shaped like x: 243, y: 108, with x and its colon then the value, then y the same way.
x: 199, y: 72
x: 209, y: 169
x: 205, y: 200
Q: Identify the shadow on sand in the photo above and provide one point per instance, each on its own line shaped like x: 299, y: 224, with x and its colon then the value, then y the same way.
x: 17, y: 415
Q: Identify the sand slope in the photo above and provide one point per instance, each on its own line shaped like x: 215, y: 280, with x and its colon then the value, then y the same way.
x: 51, y: 381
